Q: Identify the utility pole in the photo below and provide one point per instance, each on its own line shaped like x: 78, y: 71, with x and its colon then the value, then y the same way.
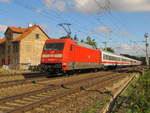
x: 146, y: 44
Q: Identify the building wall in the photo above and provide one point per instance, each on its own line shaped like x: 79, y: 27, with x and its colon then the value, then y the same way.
x: 31, y: 47
x: 9, y: 34
x: 15, y: 35
x: 21, y: 54
x: 2, y: 54
x: 11, y: 55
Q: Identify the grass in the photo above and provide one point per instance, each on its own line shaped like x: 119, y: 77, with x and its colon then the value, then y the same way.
x: 2, y: 71
x: 137, y: 97
x: 96, y: 107
x: 92, y: 110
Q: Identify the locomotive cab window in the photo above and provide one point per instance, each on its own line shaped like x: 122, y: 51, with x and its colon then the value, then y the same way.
x: 54, y: 46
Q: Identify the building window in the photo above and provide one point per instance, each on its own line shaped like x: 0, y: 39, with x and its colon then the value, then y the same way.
x: 15, y: 48
x: 8, y: 49
x: 37, y: 36
x: 15, y: 60
x: 3, y: 61
x: 8, y: 59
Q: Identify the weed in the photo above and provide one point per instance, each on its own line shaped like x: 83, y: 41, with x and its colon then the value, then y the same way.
x: 137, y: 96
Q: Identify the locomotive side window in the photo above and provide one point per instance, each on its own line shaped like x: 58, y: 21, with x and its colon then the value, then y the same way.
x: 54, y: 46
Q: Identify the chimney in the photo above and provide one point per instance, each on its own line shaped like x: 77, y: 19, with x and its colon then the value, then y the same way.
x: 30, y: 25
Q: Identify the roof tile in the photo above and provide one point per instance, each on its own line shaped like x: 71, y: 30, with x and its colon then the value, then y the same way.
x: 17, y: 29
x: 26, y: 32
x: 4, y: 39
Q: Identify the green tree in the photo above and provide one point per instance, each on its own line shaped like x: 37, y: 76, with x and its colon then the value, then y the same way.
x: 109, y: 49
x: 91, y: 41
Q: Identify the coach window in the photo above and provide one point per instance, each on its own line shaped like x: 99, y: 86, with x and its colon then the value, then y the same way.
x: 107, y: 57
x: 114, y: 58
x: 104, y: 56
x: 70, y: 47
x: 110, y: 57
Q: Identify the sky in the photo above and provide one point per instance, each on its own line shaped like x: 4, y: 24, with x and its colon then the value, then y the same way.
x: 120, y: 23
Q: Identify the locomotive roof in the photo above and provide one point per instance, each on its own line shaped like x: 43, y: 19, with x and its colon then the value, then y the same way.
x: 83, y: 44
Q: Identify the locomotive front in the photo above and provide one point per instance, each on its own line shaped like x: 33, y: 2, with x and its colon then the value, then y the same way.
x: 52, y: 56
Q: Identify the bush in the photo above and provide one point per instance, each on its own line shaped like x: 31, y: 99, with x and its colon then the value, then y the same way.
x: 140, y: 96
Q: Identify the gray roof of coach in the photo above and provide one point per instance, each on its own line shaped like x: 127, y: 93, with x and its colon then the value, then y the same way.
x: 120, y: 56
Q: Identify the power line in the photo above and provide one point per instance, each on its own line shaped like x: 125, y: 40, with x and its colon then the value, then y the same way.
x: 48, y: 15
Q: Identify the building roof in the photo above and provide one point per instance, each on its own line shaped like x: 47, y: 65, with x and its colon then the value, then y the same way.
x: 17, y: 29
x: 4, y: 39
x: 26, y: 32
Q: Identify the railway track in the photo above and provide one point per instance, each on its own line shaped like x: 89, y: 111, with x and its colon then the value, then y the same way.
x: 16, y: 87
x: 17, y: 76
x: 27, y: 101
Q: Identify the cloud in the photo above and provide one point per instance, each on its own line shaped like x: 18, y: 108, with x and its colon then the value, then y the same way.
x: 60, y: 5
x: 87, y: 6
x: 124, y: 32
x: 47, y: 3
x: 3, y: 28
x: 55, y: 5
x: 97, y: 6
x: 137, y: 50
x: 103, y: 29
x: 6, y: 1
x: 38, y: 11
x: 124, y: 47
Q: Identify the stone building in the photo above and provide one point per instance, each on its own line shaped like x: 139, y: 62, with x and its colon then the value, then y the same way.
x: 22, y: 47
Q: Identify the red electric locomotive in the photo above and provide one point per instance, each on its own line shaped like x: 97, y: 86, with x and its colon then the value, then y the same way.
x: 67, y: 55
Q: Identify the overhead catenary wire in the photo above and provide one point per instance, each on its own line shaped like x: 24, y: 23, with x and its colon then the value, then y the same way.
x: 56, y: 17
x: 46, y: 14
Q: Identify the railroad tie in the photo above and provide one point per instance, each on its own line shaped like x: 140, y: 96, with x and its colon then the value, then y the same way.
x: 47, y: 106
x: 39, y: 109
x: 21, y: 101
x: 34, y: 97
x: 28, y: 112
x: 30, y: 100
x: 6, y: 108
x: 42, y: 95
x: 13, y: 104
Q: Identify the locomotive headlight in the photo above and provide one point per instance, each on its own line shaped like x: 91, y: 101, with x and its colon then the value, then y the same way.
x: 52, y: 55
x: 58, y: 55
x: 46, y: 55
